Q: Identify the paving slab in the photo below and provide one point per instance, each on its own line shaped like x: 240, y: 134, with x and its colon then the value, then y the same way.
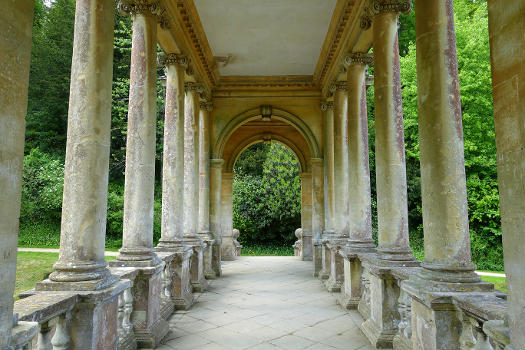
x: 269, y: 303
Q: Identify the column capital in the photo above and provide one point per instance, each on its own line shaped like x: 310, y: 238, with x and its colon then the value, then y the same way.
x: 193, y: 87
x: 143, y: 7
x: 326, y: 105
x: 359, y: 58
x: 382, y: 6
x: 208, y: 106
x: 339, y: 85
x: 173, y: 58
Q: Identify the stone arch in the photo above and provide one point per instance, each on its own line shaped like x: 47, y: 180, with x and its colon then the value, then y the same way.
x: 268, y: 113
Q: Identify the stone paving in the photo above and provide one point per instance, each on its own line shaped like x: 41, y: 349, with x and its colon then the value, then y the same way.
x: 265, y: 303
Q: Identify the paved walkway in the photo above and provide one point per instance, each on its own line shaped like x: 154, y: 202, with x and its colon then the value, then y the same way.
x: 265, y: 303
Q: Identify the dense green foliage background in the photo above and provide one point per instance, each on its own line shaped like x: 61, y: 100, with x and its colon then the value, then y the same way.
x: 266, y: 185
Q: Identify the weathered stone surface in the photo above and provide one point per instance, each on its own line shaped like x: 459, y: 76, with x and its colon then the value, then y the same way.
x: 306, y: 216
x: 227, y: 245
x: 215, y: 212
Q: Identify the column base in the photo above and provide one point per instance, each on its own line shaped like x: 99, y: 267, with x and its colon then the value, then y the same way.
x: 136, y: 257
x: 381, y: 339
x: 93, y: 285
x: 396, y: 257
x: 169, y: 245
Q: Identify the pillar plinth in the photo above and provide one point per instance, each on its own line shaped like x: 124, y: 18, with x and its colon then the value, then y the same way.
x: 360, y: 210
x: 392, y: 211
x: 215, y: 212
x: 173, y: 157
x: 81, y: 263
x: 137, y: 240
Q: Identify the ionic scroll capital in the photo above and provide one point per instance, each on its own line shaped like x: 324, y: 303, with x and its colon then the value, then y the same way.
x: 208, y: 106
x: 341, y: 86
x: 173, y: 58
x: 359, y: 58
x: 193, y: 87
x: 382, y: 6
x: 326, y: 105
x: 144, y: 7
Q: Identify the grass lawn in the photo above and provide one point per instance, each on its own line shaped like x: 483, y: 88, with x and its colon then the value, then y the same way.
x: 33, y: 267
x: 262, y: 250
x: 500, y: 283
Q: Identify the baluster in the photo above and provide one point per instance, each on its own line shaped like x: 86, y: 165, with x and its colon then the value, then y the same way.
x: 467, y: 339
x: 44, y: 337
x: 167, y: 281
x: 128, y: 308
x: 121, y: 307
x: 61, y: 338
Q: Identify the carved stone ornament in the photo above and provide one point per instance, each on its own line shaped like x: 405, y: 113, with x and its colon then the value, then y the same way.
x: 266, y: 112
x: 326, y: 105
x: 382, y: 6
x: 341, y: 85
x: 365, y: 22
x: 359, y: 58
x: 173, y: 58
x: 144, y: 7
x: 206, y: 105
x: 164, y: 22
x: 193, y: 87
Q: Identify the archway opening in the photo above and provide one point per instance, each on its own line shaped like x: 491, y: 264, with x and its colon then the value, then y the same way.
x: 267, y: 198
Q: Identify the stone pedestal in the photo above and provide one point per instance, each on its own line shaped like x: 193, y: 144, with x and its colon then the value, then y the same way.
x: 148, y: 324
x: 336, y: 277
x: 351, y: 288
x: 182, y: 290
x: 207, y: 254
x: 197, y: 278
x: 325, y: 256
x: 228, y: 248
x: 317, y: 257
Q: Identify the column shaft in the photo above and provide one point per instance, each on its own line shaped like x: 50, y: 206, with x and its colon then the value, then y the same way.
x: 204, y: 168
x: 392, y: 210
x: 317, y: 198
x: 227, y: 245
x: 358, y: 163
x: 83, y: 229
x: 215, y: 211
x: 191, y: 161
x: 306, y: 215
x: 443, y: 185
x: 329, y: 203
x: 341, y: 159
x: 16, y: 21
x: 137, y: 240
x: 173, y: 156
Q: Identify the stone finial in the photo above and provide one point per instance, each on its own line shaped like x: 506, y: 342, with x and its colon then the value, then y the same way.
x: 382, y: 6
x: 193, y: 87
x: 206, y: 106
x: 173, y: 58
x: 144, y: 7
x: 359, y: 58
x: 326, y: 105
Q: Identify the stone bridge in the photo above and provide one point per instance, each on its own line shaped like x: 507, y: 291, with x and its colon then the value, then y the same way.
x: 236, y: 75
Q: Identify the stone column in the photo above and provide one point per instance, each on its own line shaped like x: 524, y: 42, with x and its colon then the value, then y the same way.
x: 191, y: 184
x: 335, y: 280
x: 329, y: 200
x: 16, y: 20
x: 173, y: 157
x: 392, y: 210
x: 306, y: 216
x: 215, y: 212
x: 204, y: 186
x: 317, y: 212
x: 341, y: 159
x: 137, y: 240
x: 447, y: 266
x: 506, y: 23
x: 171, y: 239
x: 227, y: 245
x: 358, y: 164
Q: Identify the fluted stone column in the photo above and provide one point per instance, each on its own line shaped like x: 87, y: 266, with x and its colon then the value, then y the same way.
x: 392, y: 209
x: 358, y: 163
x: 227, y: 245
x: 215, y: 212
x: 447, y: 266
x: 16, y: 21
x: 137, y: 240
x: 191, y: 184
x: 173, y: 156
x: 317, y: 212
x: 204, y: 186
x: 329, y: 196
x: 506, y: 23
x: 341, y: 195
x: 306, y: 216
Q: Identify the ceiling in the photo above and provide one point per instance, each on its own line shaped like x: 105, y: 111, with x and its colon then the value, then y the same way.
x: 266, y: 37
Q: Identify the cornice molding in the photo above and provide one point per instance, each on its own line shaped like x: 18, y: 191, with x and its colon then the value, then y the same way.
x: 143, y: 7
x: 288, y: 82
x: 193, y: 87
